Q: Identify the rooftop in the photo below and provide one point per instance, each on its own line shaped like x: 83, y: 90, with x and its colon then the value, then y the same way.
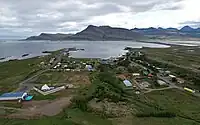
x: 14, y: 94
x: 127, y: 83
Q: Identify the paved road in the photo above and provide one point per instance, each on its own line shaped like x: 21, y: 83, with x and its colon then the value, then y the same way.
x: 58, y: 58
x: 23, y: 86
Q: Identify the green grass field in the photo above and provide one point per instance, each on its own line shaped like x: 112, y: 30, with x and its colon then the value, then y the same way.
x: 13, y: 72
x: 181, y: 61
x: 183, y: 56
x: 182, y: 103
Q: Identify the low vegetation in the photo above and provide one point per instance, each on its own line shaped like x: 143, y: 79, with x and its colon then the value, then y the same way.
x: 13, y: 72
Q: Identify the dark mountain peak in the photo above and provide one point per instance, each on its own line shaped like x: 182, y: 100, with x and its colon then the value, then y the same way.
x: 186, y: 29
x: 43, y: 34
x: 135, y: 28
x: 91, y: 26
x: 198, y: 29
x: 160, y: 28
x: 151, y: 28
x: 105, y: 33
x: 98, y: 33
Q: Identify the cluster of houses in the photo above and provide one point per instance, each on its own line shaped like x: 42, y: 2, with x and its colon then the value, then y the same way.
x: 73, y: 66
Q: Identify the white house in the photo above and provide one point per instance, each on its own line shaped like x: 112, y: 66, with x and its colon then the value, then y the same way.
x: 45, y: 87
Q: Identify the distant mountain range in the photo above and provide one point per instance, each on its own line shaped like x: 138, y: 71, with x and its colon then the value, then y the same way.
x: 186, y: 31
x: 106, y: 33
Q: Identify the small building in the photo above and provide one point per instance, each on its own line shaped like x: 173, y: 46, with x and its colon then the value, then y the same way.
x: 52, y: 60
x: 158, y: 68
x: 173, y: 78
x: 145, y: 84
x: 180, y: 81
x: 68, y: 70
x: 65, y: 66
x: 150, y: 75
x: 136, y: 74
x: 127, y: 83
x: 166, y: 73
x: 137, y: 92
x: 15, y: 96
x: 42, y: 63
x: 45, y: 87
x: 160, y: 82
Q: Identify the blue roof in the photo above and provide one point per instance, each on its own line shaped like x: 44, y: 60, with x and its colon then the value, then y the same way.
x: 14, y: 94
x: 127, y: 83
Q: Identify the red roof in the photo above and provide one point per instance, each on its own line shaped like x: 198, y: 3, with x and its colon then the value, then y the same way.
x: 150, y: 75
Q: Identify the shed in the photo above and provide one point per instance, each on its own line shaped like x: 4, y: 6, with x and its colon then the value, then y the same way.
x: 127, y: 83
x: 45, y: 87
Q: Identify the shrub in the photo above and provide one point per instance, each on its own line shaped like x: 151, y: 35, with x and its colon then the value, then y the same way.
x: 80, y: 102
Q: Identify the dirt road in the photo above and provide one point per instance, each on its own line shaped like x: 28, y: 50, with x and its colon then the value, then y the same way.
x: 35, y: 109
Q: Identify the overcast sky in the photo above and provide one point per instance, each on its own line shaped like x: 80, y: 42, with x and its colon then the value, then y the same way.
x: 31, y: 17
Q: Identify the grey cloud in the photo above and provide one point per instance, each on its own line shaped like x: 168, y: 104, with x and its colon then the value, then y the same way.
x: 35, y: 16
x: 195, y: 24
x: 139, y: 5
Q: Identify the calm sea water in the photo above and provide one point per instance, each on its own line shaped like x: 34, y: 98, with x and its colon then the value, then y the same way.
x: 93, y: 49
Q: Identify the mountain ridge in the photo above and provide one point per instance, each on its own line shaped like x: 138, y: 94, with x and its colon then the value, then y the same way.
x: 108, y: 33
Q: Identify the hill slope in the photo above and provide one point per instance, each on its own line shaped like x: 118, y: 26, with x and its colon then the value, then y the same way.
x: 46, y: 36
x: 93, y: 33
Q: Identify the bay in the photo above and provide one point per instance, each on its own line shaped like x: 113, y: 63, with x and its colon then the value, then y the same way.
x: 93, y: 49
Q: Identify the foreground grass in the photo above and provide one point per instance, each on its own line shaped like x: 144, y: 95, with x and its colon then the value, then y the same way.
x: 68, y: 117
x: 152, y: 121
